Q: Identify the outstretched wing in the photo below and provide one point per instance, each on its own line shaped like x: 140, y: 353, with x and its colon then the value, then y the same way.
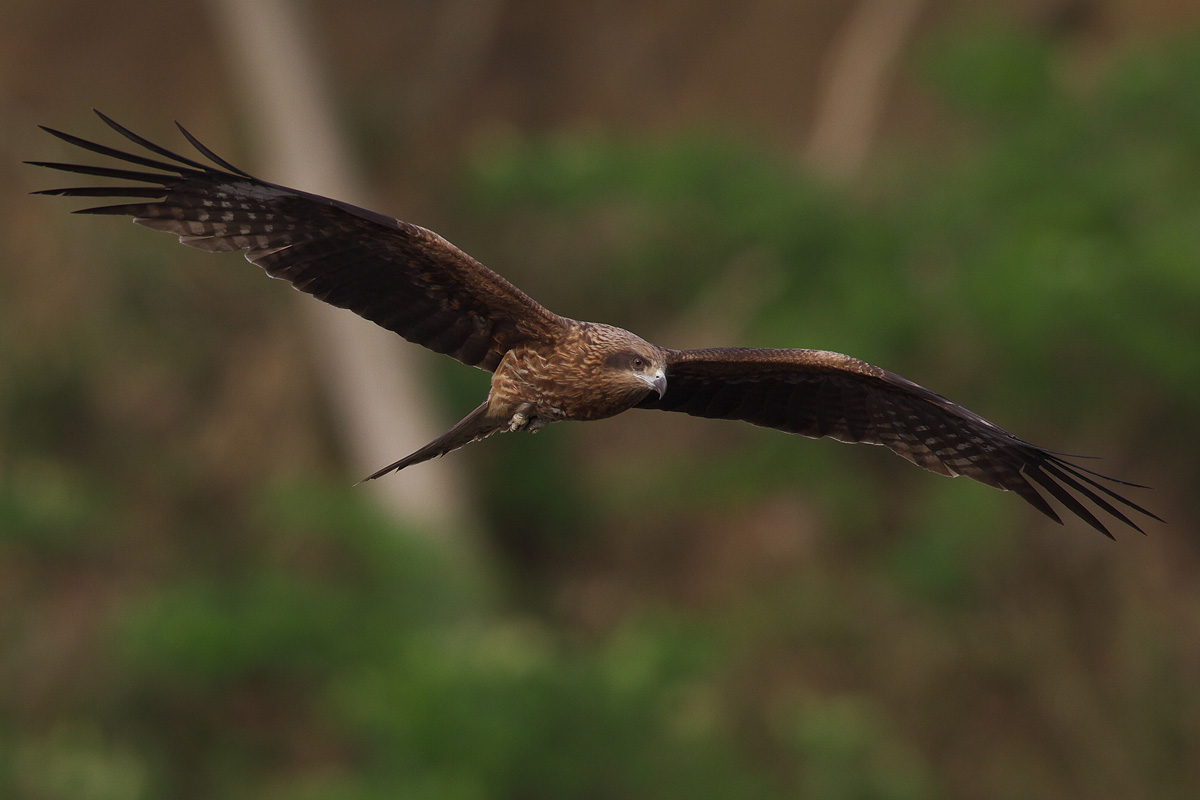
x: 400, y: 276
x: 816, y: 393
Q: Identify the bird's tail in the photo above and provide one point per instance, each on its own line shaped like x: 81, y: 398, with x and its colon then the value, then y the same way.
x: 473, y: 427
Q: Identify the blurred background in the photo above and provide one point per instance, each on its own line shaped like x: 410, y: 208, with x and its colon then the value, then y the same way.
x: 195, y: 602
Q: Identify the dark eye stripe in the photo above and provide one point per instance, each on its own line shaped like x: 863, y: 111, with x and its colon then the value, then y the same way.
x: 625, y: 360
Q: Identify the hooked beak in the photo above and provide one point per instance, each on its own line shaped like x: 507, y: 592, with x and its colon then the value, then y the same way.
x: 657, y: 381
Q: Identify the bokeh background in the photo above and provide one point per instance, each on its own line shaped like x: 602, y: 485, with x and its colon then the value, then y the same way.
x: 196, y: 603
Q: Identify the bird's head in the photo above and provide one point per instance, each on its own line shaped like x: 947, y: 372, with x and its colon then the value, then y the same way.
x: 629, y: 365
x: 641, y: 369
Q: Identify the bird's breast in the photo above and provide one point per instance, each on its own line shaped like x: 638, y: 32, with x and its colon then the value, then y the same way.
x: 560, y: 383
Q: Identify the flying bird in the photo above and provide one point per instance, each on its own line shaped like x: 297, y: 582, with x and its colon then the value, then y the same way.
x: 546, y: 367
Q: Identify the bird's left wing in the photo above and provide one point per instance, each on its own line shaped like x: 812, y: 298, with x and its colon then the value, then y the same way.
x: 400, y: 276
x: 817, y: 393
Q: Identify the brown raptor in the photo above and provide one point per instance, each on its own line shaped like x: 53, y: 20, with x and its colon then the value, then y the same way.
x: 545, y: 367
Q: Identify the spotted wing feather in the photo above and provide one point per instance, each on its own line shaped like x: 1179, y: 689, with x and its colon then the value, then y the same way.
x: 401, y: 276
x: 816, y: 393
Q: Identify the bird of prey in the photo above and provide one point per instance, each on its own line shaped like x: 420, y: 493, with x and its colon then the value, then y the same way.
x: 545, y: 367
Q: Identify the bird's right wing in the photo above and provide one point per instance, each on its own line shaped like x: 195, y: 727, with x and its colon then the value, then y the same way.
x: 398, y: 275
x: 817, y: 393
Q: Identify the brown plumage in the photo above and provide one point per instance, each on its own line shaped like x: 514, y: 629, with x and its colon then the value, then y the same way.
x: 547, y: 368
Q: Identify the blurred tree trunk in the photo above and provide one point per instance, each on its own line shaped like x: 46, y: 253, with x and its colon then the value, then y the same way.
x: 859, y: 70
x: 376, y: 392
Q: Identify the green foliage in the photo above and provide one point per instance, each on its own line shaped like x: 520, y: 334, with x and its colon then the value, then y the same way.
x: 995, y: 71
x: 49, y: 513
x: 848, y: 754
x: 944, y: 549
x: 77, y: 761
x: 347, y: 621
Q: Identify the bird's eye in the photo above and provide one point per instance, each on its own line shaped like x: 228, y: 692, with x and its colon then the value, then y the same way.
x: 639, y: 362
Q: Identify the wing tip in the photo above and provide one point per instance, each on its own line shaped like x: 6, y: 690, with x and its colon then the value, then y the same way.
x: 209, y: 154
x: 1059, y: 478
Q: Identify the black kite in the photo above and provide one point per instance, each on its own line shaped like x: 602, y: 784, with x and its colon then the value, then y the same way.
x: 547, y: 368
